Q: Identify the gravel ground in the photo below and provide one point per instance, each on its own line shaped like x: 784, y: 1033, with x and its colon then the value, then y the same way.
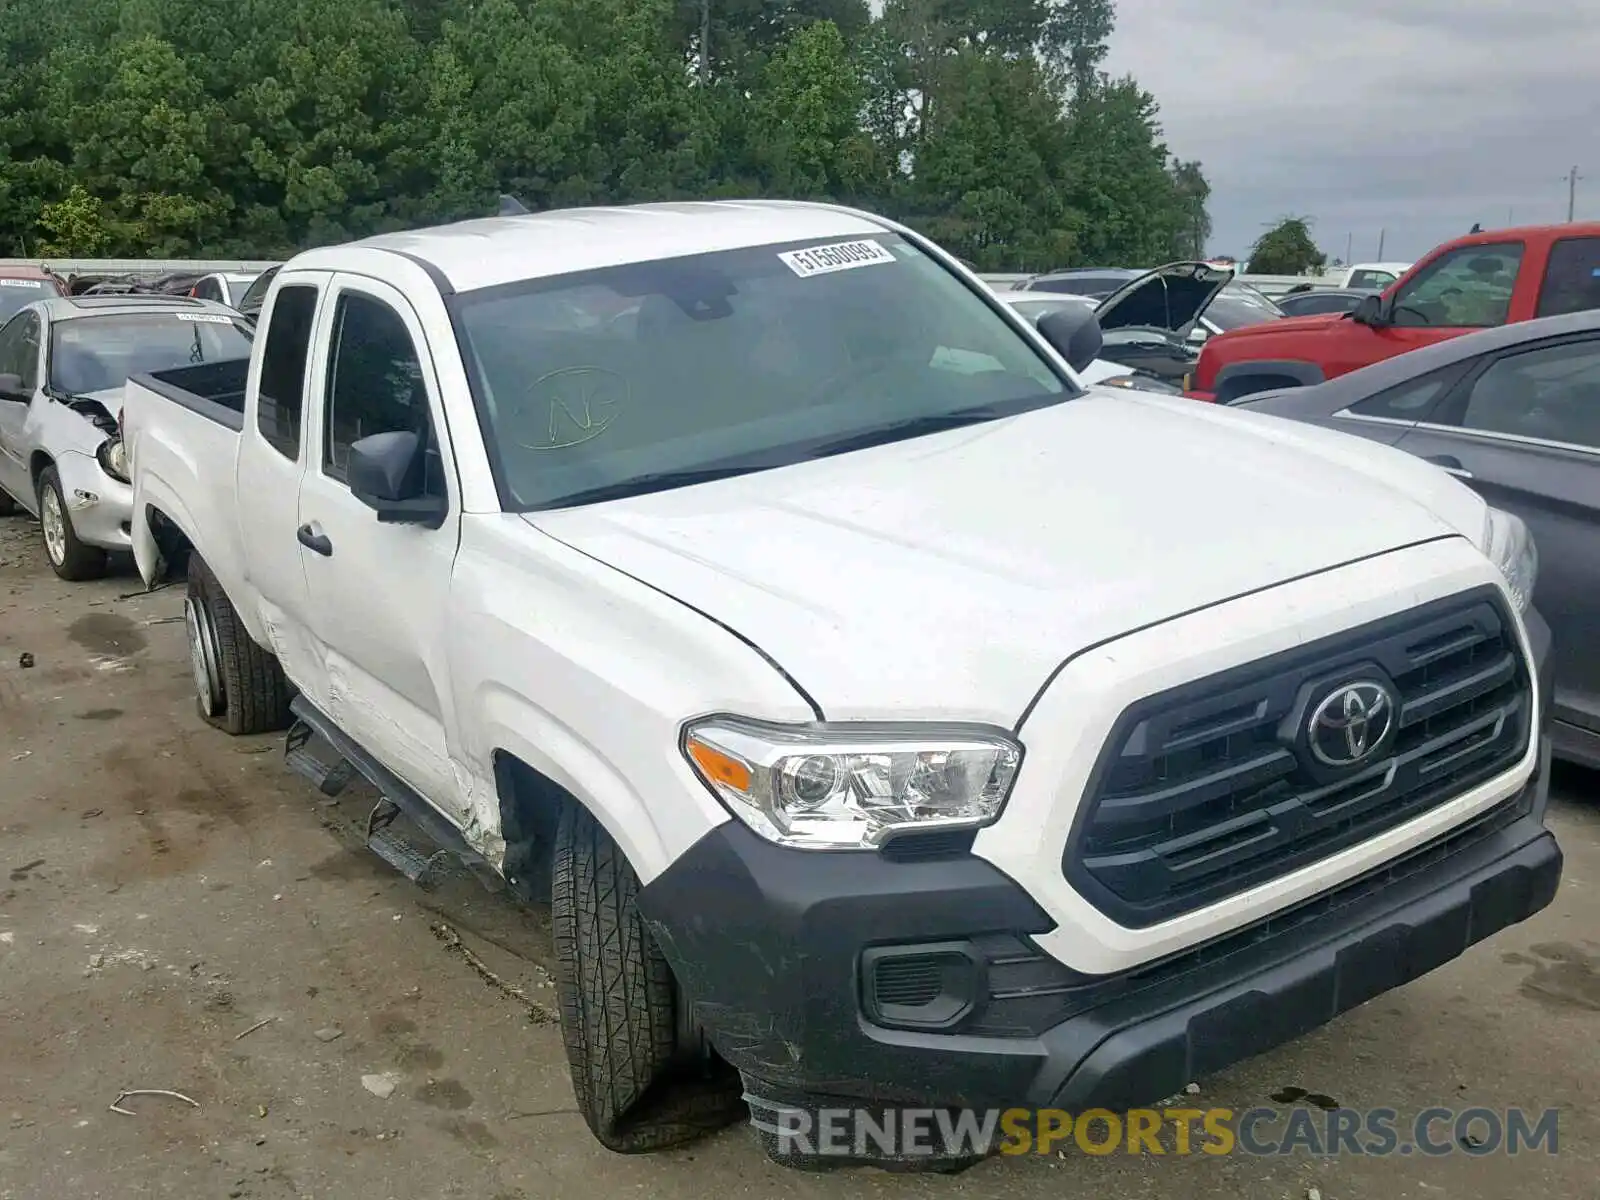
x: 166, y: 889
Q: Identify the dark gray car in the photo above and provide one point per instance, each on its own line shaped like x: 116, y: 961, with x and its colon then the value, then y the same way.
x: 1515, y: 413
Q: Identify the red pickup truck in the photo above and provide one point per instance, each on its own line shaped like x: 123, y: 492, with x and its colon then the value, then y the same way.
x: 1473, y: 282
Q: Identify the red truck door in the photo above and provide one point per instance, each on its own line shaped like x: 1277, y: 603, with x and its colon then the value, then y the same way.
x: 1455, y: 292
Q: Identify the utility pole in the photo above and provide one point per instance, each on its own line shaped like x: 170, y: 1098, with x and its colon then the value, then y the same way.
x: 1381, y: 234
x: 1349, y: 246
x: 1572, y: 192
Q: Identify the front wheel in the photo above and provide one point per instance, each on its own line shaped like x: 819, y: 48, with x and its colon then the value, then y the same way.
x: 71, y: 559
x: 640, y: 1083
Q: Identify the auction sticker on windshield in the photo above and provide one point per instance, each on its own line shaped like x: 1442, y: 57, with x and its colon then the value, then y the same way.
x: 27, y: 283
x: 841, y: 256
x: 208, y: 318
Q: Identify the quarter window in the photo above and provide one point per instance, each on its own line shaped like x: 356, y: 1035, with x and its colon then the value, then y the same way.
x: 1552, y: 394
x: 283, y: 368
x: 1409, y: 401
x: 1467, y: 288
x: 1571, y: 278
x: 375, y: 385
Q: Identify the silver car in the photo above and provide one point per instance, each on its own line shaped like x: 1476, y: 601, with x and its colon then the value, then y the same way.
x: 63, y: 362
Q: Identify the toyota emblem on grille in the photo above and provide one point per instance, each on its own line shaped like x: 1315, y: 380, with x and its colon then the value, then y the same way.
x: 1351, y: 723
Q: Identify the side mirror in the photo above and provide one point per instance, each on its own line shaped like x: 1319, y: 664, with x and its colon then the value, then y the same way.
x: 1369, y: 311
x: 11, y: 389
x: 1074, y: 333
x: 386, y: 472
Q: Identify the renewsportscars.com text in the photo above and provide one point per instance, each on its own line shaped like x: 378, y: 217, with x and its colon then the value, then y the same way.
x: 1263, y: 1131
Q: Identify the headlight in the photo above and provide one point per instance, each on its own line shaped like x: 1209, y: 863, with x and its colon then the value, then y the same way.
x: 113, y: 458
x: 1510, y: 547
x: 851, y: 787
x: 1142, y: 383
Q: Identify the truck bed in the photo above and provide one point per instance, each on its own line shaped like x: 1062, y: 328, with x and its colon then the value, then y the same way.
x: 214, y: 390
x: 182, y: 429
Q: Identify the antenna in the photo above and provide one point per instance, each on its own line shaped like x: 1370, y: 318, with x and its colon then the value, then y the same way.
x: 510, y: 206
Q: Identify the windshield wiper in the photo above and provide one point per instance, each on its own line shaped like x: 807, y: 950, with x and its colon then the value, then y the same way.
x: 912, y: 427
x: 658, y: 481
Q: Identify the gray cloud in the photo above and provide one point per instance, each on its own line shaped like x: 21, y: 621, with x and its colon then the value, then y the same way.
x: 1417, y: 117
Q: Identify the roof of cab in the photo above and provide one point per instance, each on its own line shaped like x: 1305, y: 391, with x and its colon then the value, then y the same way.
x: 484, y: 253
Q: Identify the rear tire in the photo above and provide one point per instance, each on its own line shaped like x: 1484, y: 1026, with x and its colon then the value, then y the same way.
x: 69, y: 558
x: 239, y: 687
x: 638, y: 1087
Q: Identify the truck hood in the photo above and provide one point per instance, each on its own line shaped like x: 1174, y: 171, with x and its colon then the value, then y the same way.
x: 946, y: 577
x: 1257, y: 336
x: 1172, y: 298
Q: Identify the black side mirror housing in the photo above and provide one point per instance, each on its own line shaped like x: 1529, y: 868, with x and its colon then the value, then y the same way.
x: 386, y: 472
x: 1074, y: 333
x: 1369, y: 311
x: 11, y: 389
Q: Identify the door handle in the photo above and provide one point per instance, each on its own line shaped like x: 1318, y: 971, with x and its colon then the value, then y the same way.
x: 317, y: 543
x: 1450, y: 463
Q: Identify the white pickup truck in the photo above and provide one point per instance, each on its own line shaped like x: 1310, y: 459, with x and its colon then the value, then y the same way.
x: 888, y: 719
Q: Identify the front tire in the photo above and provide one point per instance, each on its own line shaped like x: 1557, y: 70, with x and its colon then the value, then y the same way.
x: 239, y: 687
x: 638, y: 1086
x: 69, y: 558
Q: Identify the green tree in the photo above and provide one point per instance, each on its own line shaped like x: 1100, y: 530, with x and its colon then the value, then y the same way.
x: 1287, y: 249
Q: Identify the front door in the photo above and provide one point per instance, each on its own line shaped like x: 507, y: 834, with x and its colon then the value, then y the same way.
x: 1463, y: 289
x: 1524, y: 431
x: 380, y: 592
x: 19, y: 356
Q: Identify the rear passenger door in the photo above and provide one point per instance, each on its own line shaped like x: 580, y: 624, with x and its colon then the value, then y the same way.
x: 380, y: 592
x: 273, y: 453
x: 1524, y: 430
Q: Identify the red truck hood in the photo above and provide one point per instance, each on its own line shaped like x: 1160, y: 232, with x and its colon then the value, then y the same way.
x: 1283, y: 338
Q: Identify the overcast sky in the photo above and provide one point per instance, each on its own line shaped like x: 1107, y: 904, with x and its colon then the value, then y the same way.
x: 1415, y: 116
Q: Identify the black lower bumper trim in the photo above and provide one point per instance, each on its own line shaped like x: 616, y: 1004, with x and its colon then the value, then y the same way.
x: 768, y: 944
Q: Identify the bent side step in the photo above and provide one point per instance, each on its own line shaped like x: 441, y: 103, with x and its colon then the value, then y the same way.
x: 330, y: 781
x: 423, y: 870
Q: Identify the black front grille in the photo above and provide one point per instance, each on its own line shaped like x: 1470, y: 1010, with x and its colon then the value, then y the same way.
x: 1212, y: 787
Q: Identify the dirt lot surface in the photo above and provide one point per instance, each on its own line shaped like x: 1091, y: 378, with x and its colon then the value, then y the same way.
x: 165, y: 889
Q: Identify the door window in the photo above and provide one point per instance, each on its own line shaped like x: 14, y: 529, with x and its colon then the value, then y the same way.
x: 1469, y: 287
x: 375, y: 385
x: 207, y: 289
x: 282, y: 392
x: 1572, y: 277
x: 1552, y: 394
x: 19, y: 349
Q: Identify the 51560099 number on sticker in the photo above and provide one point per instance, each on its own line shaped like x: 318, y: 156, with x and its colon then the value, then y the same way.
x: 840, y: 256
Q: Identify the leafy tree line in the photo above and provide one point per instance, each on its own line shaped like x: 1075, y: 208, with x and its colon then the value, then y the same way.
x: 252, y: 128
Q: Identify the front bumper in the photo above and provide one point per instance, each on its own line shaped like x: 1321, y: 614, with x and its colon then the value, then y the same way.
x: 781, y: 953
x: 100, y: 507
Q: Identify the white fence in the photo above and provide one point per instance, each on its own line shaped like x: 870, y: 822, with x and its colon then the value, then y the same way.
x: 143, y: 268
x: 151, y: 268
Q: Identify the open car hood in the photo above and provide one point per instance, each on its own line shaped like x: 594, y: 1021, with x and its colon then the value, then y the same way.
x: 1170, y: 298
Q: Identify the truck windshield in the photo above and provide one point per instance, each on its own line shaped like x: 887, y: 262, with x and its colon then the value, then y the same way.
x: 98, y: 353
x: 659, y: 374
